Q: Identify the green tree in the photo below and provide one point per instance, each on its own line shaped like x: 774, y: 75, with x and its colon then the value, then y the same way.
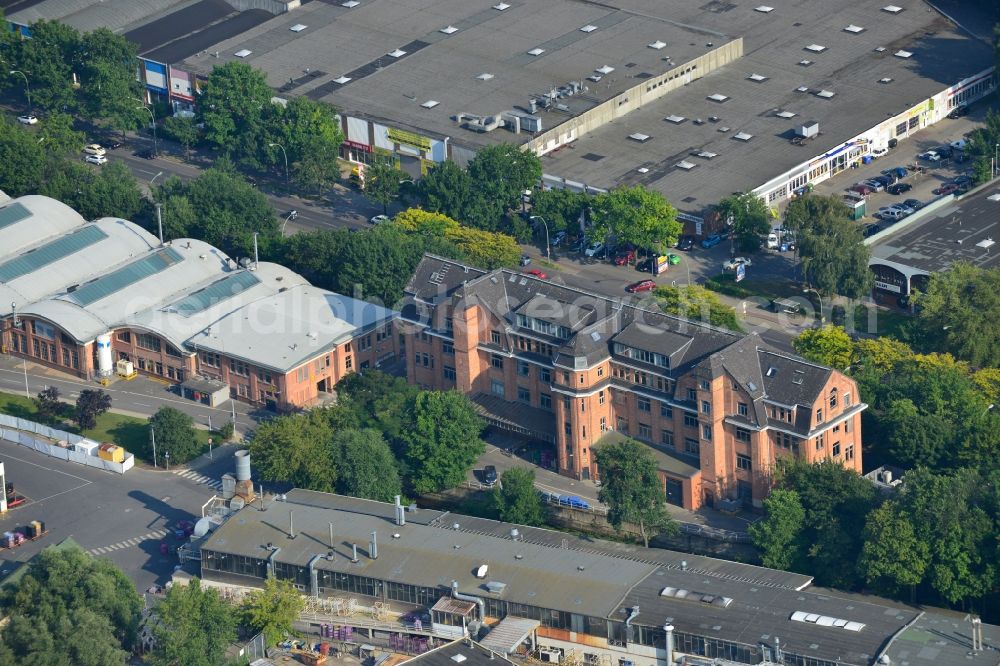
x: 68, y: 597
x: 297, y: 449
x: 696, y: 303
x: 110, y: 191
x: 310, y: 133
x: 57, y: 136
x: 834, y: 257
x: 49, y: 59
x: 48, y: 403
x: 109, y: 88
x: 382, y: 184
x: 232, y: 105
x: 175, y: 434
x: 829, y: 345
x: 561, y: 208
x: 501, y: 173
x: 958, y: 313
x: 892, y: 556
x: 779, y: 535
x: 749, y: 218
x: 638, y: 216
x: 184, y: 130
x: 377, y: 400
x: 516, y: 499
x: 21, y: 159
x: 486, y: 249
x: 316, y: 171
x: 447, y: 188
x: 441, y: 439
x: 273, y: 610
x: 90, y: 404
x: 916, y: 437
x: 632, y: 489
x: 368, y: 468
x: 195, y: 627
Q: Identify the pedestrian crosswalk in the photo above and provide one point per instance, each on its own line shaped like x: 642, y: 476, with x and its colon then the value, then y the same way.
x: 128, y: 543
x: 192, y: 475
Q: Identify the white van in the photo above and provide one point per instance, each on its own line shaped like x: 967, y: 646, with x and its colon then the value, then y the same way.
x: 772, y: 241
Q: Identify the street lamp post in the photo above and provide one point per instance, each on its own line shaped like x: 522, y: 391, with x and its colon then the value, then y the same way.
x: 290, y: 215
x: 152, y: 123
x: 548, y: 252
x: 27, y: 88
x: 285, y: 155
x: 819, y: 296
x: 152, y: 437
x: 166, y: 455
x: 995, y: 149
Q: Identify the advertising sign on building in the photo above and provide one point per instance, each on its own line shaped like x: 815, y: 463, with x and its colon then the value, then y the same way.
x: 404, y: 138
x: 888, y: 287
x: 661, y: 265
x: 741, y: 272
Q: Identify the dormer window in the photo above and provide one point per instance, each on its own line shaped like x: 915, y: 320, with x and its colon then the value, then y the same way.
x: 544, y: 327
x: 833, y: 397
x: 642, y: 355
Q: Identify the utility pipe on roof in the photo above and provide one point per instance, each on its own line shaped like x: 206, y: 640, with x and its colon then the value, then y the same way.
x: 633, y: 612
x: 270, y: 560
x: 466, y: 597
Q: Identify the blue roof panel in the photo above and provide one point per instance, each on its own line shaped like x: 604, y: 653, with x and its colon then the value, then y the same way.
x: 125, y: 276
x: 15, y: 212
x: 214, y: 293
x: 48, y: 254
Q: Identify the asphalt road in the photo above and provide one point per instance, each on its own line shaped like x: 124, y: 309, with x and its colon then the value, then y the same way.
x: 121, y: 517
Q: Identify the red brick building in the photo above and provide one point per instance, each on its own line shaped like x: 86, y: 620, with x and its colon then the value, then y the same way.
x: 564, y: 366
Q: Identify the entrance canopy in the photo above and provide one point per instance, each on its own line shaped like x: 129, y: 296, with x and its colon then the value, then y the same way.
x: 509, y: 633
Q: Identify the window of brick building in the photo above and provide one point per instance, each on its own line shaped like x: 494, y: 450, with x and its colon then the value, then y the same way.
x: 600, y: 397
x: 666, y: 411
x: 706, y: 432
x: 833, y: 397
x: 496, y: 387
x: 623, y: 424
x: 645, y: 432
x: 449, y: 373
x: 523, y: 369
x: 742, y: 435
x: 524, y: 395
x: 690, y: 420
x: 604, y: 424
x: 643, y: 404
x: 742, y: 409
x: 692, y: 446
x: 692, y: 395
x: 706, y: 407
x: 544, y: 375
x: 743, y: 462
x: 495, y: 337
x: 497, y: 362
x: 545, y: 400
x: 667, y: 438
x: 849, y: 452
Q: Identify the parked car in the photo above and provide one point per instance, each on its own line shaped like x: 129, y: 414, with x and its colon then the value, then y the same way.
x: 964, y: 180
x: 862, y: 189
x: 903, y: 207
x: 930, y: 156
x: 673, y: 259
x: 559, y: 237
x: 113, y: 144
x: 870, y: 230
x: 625, y: 257
x: 947, y: 188
x: 645, y: 265
x: 29, y: 119
x: 538, y: 273
x: 96, y: 159
x: 685, y: 243
x: 876, y: 185
x: 711, y: 241
x: 958, y: 112
x: 773, y: 242
x: 960, y: 144
x: 879, y: 152
x: 889, y: 213
x: 899, y: 188
x: 736, y: 261
x: 525, y: 260
x: 641, y: 285
x: 944, y: 151
x: 897, y: 172
x: 915, y: 204
x: 594, y: 249
x: 886, y: 181
x: 94, y: 149
x: 489, y: 475
x: 379, y: 219
x: 149, y: 154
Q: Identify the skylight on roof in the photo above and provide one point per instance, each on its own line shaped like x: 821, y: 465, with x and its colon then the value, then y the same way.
x: 677, y: 120
x: 887, y: 79
x: 854, y: 28
x: 605, y: 69
x: 805, y: 63
x: 825, y: 94
x: 657, y: 45
x: 706, y: 154
x: 350, y: 4
x: 802, y: 89
x: 595, y: 336
x: 640, y: 137
x: 816, y: 48
x: 298, y: 27
x: 398, y: 53
x: 342, y: 79
x: 243, y: 53
x: 757, y: 78
x: 764, y: 9
x: 430, y: 104
x: 742, y: 136
x: 588, y: 28
x: 536, y: 51
x: 994, y: 197
x: 684, y: 164
x: 501, y: 6
x: 449, y: 30
x: 785, y: 114
x: 718, y: 97
x: 458, y: 658
x: 902, y: 54
x: 892, y: 9
x: 985, y: 243
x: 485, y: 76
x: 879, y: 49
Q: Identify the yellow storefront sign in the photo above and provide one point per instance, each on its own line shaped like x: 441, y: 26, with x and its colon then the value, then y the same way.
x: 408, y: 138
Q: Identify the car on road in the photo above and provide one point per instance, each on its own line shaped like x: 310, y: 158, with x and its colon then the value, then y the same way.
x: 915, y: 204
x: 573, y: 502
x: 930, y: 156
x: 736, y: 261
x: 96, y: 159
x: 711, y: 241
x: 625, y: 257
x: 489, y: 475
x: 379, y: 219
x: 538, y: 273
x: 525, y: 260
x: 149, y: 154
x: 673, y: 259
x: 594, y: 249
x: 685, y: 243
x: 113, y: 144
x: 94, y: 149
x: 29, y: 119
x: 862, y: 188
x: 899, y: 188
x: 640, y: 286
x: 946, y: 189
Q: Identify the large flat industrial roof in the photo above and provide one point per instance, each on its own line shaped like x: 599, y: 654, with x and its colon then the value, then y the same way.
x: 775, y: 43
x: 967, y: 230
x: 589, y: 577
x: 447, y: 45
x: 87, y: 15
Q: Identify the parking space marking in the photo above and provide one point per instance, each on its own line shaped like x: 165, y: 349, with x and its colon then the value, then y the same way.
x: 128, y: 543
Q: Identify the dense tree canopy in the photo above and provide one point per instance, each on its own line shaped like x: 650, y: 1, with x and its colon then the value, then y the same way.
x: 830, y: 345
x: 560, y: 208
x: 749, y: 217
x: 778, y: 536
x: 195, y: 627
x: 273, y: 610
x: 367, y: 466
x: 90, y: 404
x: 632, y: 489
x: 442, y: 440
x: 697, y: 303
x: 175, y: 434
x: 834, y: 258
x: 635, y: 215
x: 516, y: 499
x: 297, y: 449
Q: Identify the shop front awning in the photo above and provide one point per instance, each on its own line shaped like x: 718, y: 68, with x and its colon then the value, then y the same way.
x: 508, y: 634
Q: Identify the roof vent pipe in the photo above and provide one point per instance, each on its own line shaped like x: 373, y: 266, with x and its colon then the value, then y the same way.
x: 270, y: 560
x: 465, y: 597
x: 633, y: 612
x: 684, y: 565
x: 354, y: 553
x: 291, y: 524
x: 373, y: 546
x: 400, y: 512
x: 314, y: 576
x: 242, y: 465
x: 669, y: 629
x: 331, y: 536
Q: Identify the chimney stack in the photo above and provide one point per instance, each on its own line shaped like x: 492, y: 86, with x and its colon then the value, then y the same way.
x: 291, y: 524
x: 354, y: 553
x: 400, y: 513
x: 373, y: 546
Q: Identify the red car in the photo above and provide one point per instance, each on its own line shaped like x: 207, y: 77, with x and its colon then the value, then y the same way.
x: 861, y: 189
x: 641, y: 285
x: 625, y: 258
x: 947, y: 188
x: 537, y: 273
